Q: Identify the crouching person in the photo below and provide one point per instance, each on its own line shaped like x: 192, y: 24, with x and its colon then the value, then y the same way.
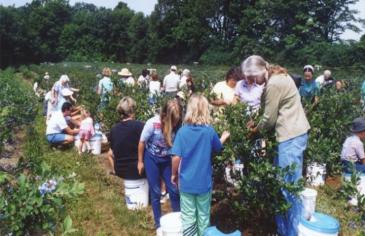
x: 192, y: 151
x: 353, y: 148
x: 58, y: 131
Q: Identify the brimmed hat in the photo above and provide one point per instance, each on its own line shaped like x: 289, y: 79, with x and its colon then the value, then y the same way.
x: 174, y: 68
x: 327, y: 73
x: 64, y: 78
x: 125, y: 72
x: 358, y: 125
x: 66, y: 92
x: 186, y: 72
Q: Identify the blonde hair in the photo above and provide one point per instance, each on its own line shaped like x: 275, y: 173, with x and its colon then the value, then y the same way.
x: 254, y: 66
x: 170, y: 117
x: 84, y: 113
x: 107, y: 71
x: 126, y: 107
x: 197, y: 111
x: 276, y: 69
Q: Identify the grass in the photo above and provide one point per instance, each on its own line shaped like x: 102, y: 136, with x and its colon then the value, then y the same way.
x: 101, y: 209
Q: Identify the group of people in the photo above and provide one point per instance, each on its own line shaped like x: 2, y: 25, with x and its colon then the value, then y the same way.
x: 175, y: 146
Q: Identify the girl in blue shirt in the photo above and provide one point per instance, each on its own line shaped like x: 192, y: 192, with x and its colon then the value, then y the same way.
x: 192, y: 158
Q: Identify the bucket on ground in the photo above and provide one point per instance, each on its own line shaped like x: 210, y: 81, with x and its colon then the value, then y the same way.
x: 171, y: 224
x: 360, y: 186
x: 95, y: 143
x: 136, y: 193
x: 308, y: 197
x: 319, y: 225
x: 316, y: 174
x: 213, y: 231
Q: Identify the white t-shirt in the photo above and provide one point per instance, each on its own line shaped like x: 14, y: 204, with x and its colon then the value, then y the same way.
x: 171, y: 82
x: 56, y: 124
x: 183, y: 81
x: 223, y: 91
x: 320, y: 80
x: 142, y: 81
x: 154, y: 88
x: 128, y: 81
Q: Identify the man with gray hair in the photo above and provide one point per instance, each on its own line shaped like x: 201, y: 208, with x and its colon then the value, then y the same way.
x: 325, y: 79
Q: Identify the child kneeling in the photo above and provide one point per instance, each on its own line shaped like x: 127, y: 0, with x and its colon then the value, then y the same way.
x: 353, y: 149
x: 192, y: 156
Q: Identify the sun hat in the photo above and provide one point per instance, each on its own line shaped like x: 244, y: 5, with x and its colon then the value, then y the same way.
x: 186, y: 72
x: 64, y: 78
x: 308, y: 67
x: 66, y: 92
x: 358, y: 125
x: 173, y: 67
x: 125, y: 72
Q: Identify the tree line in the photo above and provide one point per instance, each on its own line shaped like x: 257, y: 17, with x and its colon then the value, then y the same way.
x: 181, y: 31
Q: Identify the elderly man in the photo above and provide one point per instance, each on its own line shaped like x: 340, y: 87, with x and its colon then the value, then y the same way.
x: 58, y: 131
x: 325, y: 79
x: 171, y: 82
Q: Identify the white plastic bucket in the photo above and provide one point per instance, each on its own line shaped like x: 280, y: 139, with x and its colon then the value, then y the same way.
x: 171, y: 224
x: 316, y: 174
x: 136, y: 193
x: 319, y: 225
x: 308, y: 197
x: 360, y: 186
x: 95, y: 143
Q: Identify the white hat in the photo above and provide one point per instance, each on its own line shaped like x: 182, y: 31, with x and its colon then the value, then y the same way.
x: 174, y: 68
x: 309, y: 67
x: 66, y: 92
x: 186, y: 72
x: 64, y: 78
x: 125, y: 72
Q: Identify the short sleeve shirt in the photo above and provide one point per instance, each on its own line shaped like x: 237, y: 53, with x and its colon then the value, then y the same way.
x: 308, y: 90
x: 223, y: 91
x: 124, y: 138
x: 153, y: 137
x: 195, y: 145
x: 171, y: 82
x: 352, y: 149
x: 250, y: 95
x: 106, y: 86
x: 57, y: 123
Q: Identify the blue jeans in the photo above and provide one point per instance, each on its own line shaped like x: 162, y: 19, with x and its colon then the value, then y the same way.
x: 291, y: 152
x: 347, y: 167
x: 157, y: 168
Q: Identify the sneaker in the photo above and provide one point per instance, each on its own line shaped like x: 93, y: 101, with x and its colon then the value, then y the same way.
x: 159, y: 231
x: 164, y: 197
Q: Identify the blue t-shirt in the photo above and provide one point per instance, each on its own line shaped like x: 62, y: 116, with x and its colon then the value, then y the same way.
x: 153, y: 137
x: 363, y: 90
x: 308, y: 90
x: 195, y: 144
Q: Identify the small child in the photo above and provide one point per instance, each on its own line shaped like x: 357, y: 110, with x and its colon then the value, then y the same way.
x: 194, y: 144
x: 86, y: 130
x: 353, y: 148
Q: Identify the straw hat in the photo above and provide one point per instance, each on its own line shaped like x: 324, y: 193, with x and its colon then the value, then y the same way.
x: 125, y: 72
x: 181, y: 95
x: 66, y: 92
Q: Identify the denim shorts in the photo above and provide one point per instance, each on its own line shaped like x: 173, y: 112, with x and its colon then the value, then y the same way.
x: 56, y: 138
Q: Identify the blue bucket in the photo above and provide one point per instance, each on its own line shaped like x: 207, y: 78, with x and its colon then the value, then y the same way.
x: 213, y: 231
x: 321, y: 223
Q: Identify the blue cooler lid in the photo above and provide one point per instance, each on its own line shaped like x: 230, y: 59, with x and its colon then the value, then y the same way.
x: 213, y: 231
x: 321, y: 223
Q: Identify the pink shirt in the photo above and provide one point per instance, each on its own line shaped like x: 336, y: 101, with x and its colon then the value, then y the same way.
x: 87, y: 126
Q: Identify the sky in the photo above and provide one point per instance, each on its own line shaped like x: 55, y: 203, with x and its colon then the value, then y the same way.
x: 147, y: 6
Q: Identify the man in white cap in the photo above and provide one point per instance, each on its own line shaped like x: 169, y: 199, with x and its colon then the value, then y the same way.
x: 325, y: 79
x: 171, y: 82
